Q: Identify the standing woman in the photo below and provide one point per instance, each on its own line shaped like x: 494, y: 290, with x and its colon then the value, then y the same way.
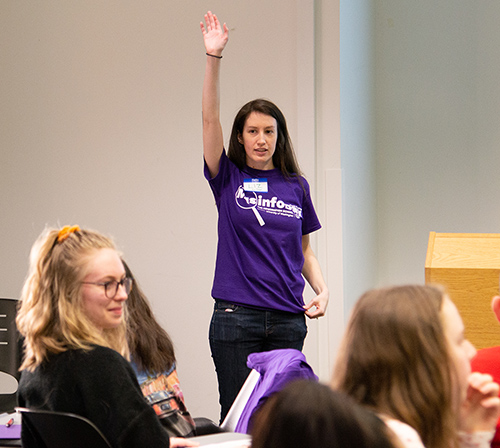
x: 72, y: 317
x: 265, y: 218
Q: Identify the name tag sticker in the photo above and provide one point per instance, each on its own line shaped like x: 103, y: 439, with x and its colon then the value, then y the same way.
x: 259, y: 185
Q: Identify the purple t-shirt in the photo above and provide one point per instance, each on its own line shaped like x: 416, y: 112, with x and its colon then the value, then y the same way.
x: 262, y: 217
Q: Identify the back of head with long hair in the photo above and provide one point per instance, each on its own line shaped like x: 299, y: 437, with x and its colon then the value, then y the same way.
x: 309, y: 414
x: 394, y: 358
x: 150, y: 345
x: 50, y: 313
x: 284, y: 156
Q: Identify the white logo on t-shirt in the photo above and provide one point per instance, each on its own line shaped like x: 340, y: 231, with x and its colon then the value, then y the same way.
x: 250, y: 200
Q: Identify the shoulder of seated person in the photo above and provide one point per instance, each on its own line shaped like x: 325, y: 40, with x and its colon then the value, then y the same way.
x: 96, y: 354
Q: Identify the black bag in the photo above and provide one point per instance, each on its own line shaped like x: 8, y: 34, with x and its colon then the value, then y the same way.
x: 172, y: 413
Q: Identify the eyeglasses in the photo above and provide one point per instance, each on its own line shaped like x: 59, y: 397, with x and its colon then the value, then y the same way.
x: 111, y: 287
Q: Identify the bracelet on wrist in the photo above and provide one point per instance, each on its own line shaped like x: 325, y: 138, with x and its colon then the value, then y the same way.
x: 214, y: 56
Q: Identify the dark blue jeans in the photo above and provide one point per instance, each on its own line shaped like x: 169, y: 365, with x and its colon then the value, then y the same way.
x: 237, y: 331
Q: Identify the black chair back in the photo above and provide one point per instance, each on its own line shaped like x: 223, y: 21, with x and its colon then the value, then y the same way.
x: 10, y: 355
x: 61, y: 430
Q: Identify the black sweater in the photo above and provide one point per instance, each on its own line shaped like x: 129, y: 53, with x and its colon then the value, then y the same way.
x: 100, y: 385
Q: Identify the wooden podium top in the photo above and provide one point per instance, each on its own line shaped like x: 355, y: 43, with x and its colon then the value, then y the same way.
x: 463, y: 250
x: 468, y: 265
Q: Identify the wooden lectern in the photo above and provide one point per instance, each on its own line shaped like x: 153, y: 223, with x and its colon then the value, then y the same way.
x: 468, y: 265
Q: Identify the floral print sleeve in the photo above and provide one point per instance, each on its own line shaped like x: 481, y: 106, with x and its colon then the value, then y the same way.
x: 476, y: 439
x: 408, y: 436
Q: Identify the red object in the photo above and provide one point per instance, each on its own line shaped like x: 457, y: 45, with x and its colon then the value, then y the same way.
x: 487, y: 360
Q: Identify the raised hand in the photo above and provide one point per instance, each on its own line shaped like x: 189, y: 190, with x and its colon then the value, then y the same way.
x: 214, y: 35
x: 481, y: 408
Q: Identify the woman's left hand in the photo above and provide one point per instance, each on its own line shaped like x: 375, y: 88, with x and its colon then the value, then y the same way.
x: 481, y: 408
x: 312, y: 273
x: 317, y: 306
x: 178, y: 442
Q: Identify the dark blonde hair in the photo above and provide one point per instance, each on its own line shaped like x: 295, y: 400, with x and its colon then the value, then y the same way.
x: 50, y: 313
x: 309, y: 414
x: 394, y: 358
x: 150, y: 345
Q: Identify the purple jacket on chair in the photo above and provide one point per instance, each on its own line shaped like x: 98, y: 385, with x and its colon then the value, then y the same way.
x: 277, y: 368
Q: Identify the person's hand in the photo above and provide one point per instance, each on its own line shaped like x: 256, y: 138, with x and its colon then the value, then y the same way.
x: 317, y: 306
x: 179, y: 442
x: 214, y: 35
x: 481, y: 408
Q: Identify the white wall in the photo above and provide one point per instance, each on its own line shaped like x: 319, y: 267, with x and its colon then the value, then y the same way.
x: 358, y: 157
x: 420, y: 108
x: 100, y: 118
x: 437, y: 126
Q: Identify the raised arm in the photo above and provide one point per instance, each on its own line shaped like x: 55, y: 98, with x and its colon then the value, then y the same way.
x: 215, y: 38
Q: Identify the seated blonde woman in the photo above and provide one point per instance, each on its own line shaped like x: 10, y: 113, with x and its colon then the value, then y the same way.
x: 72, y: 318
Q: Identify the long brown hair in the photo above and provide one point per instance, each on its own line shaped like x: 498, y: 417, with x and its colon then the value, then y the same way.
x: 150, y: 345
x: 284, y: 156
x: 394, y: 358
